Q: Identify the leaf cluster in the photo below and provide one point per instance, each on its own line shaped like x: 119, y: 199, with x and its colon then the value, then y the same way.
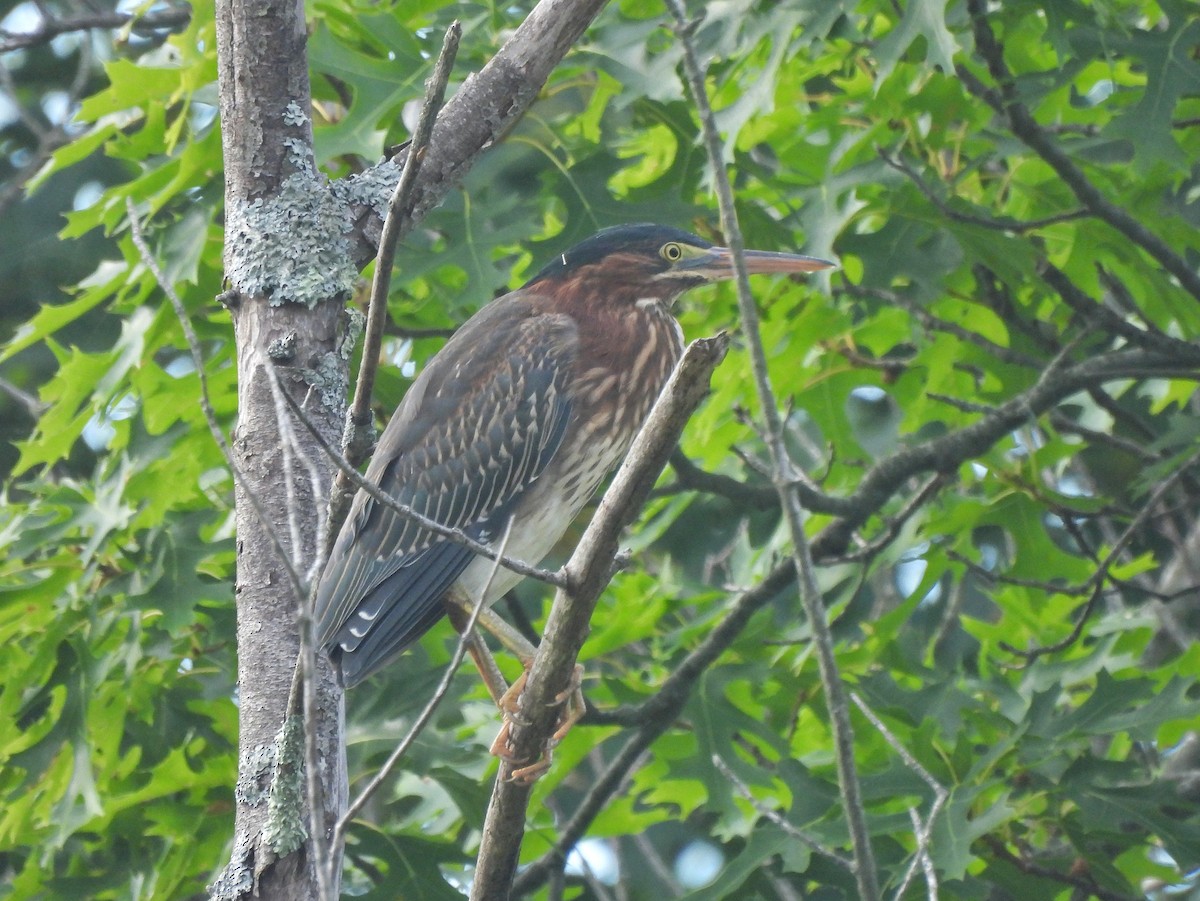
x: 991, y: 405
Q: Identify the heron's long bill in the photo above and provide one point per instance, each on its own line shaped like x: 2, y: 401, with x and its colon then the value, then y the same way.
x: 717, y: 262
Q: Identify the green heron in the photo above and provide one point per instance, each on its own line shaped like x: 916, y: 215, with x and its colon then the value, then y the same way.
x: 513, y: 425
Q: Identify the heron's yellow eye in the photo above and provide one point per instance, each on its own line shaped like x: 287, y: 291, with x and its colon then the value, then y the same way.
x: 672, y: 252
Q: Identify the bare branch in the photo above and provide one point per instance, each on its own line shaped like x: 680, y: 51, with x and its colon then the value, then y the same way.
x: 210, y: 416
x: 1099, y: 577
x: 486, y: 105
x: 1082, y: 881
x: 778, y: 820
x: 947, y: 452
x: 893, y: 524
x: 357, y: 442
x: 960, y: 404
x: 782, y: 475
x: 933, y: 323
x: 653, y: 717
x: 48, y: 139
x: 1026, y: 127
x: 28, y: 402
x: 923, y: 831
x: 50, y: 27
x: 307, y: 655
x: 588, y: 572
x: 756, y: 497
x: 997, y: 223
x: 1148, y: 338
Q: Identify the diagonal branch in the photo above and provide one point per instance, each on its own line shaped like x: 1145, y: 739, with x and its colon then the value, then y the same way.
x: 356, y: 444
x: 482, y: 110
x: 923, y: 831
x: 1026, y: 127
x: 653, y: 717
x: 947, y: 452
x: 997, y: 223
x: 588, y: 572
x: 1102, y: 572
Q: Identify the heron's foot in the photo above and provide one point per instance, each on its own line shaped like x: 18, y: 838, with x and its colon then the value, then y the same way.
x: 575, y: 706
x: 570, y: 698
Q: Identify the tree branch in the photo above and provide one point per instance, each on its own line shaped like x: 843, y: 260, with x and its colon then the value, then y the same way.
x: 357, y: 440
x: 655, y: 716
x: 785, y: 483
x: 481, y: 111
x: 1148, y: 338
x: 1025, y: 127
x: 947, y: 452
x: 755, y: 497
x: 50, y: 28
x: 588, y: 572
x: 1101, y: 573
x: 996, y: 223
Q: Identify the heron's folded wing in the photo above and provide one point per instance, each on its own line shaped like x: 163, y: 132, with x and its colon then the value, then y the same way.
x: 474, y: 432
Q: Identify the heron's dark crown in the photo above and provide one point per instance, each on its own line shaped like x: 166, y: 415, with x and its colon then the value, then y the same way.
x: 643, y: 239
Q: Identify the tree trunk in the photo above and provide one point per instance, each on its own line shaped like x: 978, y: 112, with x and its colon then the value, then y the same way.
x: 267, y: 139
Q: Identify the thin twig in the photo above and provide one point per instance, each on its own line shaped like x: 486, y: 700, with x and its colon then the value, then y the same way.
x: 946, y: 453
x: 810, y: 596
x: 893, y: 525
x: 34, y: 407
x: 923, y: 832
x: 48, y: 139
x: 1064, y: 425
x: 1150, y: 338
x: 358, y: 418
x: 653, y: 717
x: 756, y: 497
x: 934, y: 323
x: 210, y: 416
x: 924, y: 859
x: 1082, y: 881
x: 286, y: 439
x: 416, y: 334
x: 456, y: 535
x: 52, y: 27
x: 1027, y: 129
x: 356, y: 436
x: 307, y: 654
x: 32, y: 122
x: 1101, y: 572
x: 961, y: 404
x: 997, y: 223
x: 778, y: 820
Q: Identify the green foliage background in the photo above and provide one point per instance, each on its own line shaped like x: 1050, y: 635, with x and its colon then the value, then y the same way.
x: 851, y: 135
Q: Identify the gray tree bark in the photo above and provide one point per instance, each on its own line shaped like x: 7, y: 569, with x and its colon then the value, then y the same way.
x: 263, y: 80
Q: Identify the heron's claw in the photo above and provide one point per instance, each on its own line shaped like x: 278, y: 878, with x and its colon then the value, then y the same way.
x: 571, y: 697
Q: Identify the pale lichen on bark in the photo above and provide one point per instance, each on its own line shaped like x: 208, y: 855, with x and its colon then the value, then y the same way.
x: 285, y: 829
x: 294, y: 246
